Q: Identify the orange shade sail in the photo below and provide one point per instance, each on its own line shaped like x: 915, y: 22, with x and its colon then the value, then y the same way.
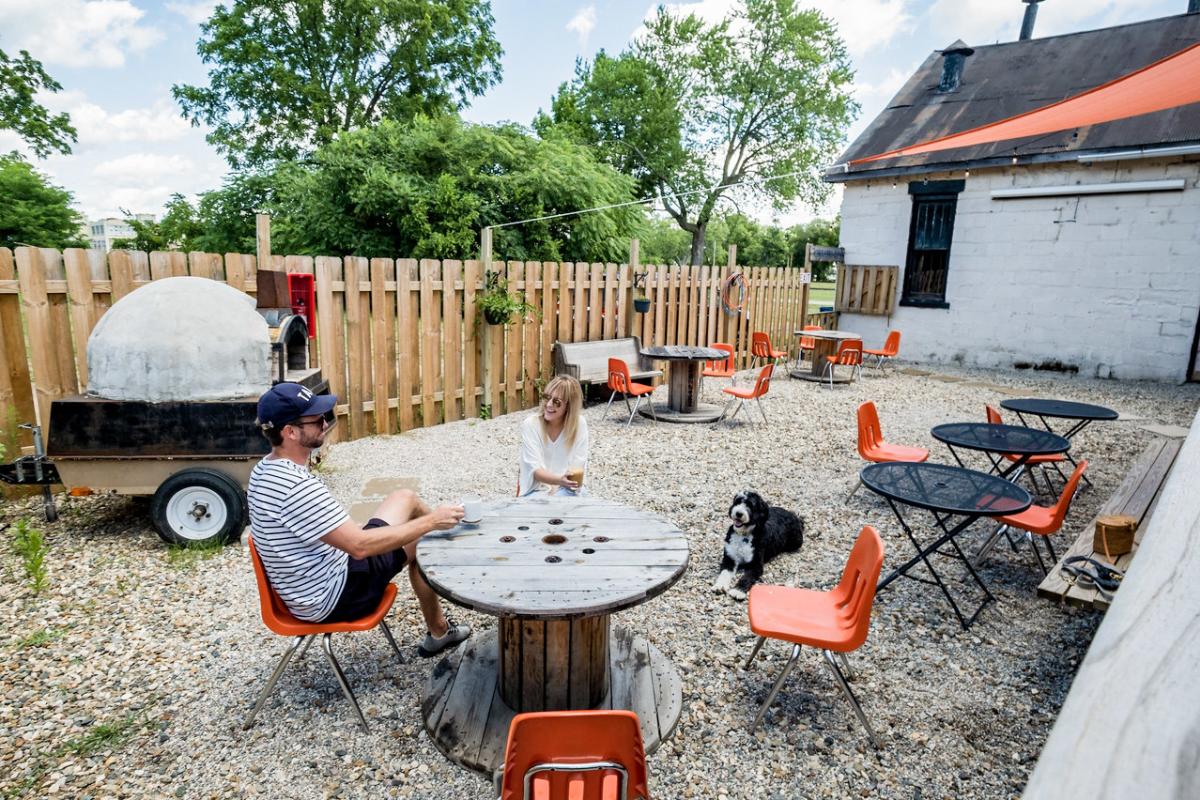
x: 1167, y: 83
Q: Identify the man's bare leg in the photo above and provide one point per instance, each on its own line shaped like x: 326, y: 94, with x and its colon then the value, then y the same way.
x: 400, y: 507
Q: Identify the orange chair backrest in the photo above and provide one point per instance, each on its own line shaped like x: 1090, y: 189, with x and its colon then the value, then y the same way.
x: 275, y: 614
x: 760, y: 345
x: 870, y: 434
x: 849, y: 352
x: 891, y: 346
x: 1063, y: 505
x: 993, y: 416
x: 566, y: 737
x: 763, y: 382
x: 809, y: 342
x: 725, y: 364
x: 855, y: 593
x: 618, y: 375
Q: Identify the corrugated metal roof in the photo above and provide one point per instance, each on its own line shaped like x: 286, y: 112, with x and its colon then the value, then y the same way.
x: 1004, y: 80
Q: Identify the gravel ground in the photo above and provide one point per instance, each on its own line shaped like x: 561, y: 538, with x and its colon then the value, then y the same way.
x: 130, y: 674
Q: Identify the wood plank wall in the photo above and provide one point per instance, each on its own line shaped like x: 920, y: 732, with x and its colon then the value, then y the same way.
x: 397, y: 339
x: 866, y: 290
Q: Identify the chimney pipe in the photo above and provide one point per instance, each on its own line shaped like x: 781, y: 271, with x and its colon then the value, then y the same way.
x: 953, y: 60
x: 1193, y: 6
x: 1031, y: 7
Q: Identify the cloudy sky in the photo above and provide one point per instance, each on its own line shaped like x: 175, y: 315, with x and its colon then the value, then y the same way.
x: 117, y: 61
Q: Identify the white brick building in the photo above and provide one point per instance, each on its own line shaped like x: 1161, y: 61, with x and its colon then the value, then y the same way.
x: 1094, y: 265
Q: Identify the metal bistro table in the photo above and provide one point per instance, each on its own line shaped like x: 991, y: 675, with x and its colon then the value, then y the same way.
x: 996, y: 440
x: 948, y: 492
x: 826, y: 344
x: 553, y: 569
x: 1081, y: 415
x: 683, y: 382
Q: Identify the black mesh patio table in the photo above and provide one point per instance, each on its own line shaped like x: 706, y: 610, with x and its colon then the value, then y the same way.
x: 948, y: 492
x: 998, y: 440
x: 1080, y: 414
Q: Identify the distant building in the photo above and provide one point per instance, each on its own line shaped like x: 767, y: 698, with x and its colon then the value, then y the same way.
x: 1041, y: 200
x: 102, y: 232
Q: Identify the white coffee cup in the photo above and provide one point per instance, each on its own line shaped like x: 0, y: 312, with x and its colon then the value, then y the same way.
x: 472, y: 509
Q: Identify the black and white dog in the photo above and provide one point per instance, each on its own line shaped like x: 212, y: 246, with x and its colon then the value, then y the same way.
x: 758, y: 533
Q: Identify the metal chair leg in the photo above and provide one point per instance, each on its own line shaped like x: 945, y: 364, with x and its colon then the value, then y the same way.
x: 740, y: 403
x: 846, y: 664
x: 608, y: 407
x: 762, y: 410
x: 988, y: 544
x: 341, y: 677
x: 841, y: 679
x: 758, y: 646
x: 279, y: 668
x: 1037, y: 553
x: 787, y: 668
x: 637, y: 401
x: 857, y: 485
x: 308, y: 642
x: 387, y: 633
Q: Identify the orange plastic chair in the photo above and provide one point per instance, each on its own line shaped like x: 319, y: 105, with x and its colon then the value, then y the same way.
x: 620, y: 382
x: 835, y: 621
x: 755, y: 393
x: 760, y: 348
x: 849, y: 354
x: 719, y: 369
x: 872, y: 447
x: 891, y: 349
x: 1045, y: 521
x: 575, y: 755
x: 806, y: 343
x: 1049, y: 459
x: 279, y: 620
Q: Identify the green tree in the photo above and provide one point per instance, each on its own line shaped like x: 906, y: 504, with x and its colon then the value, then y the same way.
x: 819, y: 232
x: 288, y: 75
x: 34, y: 211
x: 19, y: 79
x: 424, y: 190
x: 754, y: 104
x: 179, y: 229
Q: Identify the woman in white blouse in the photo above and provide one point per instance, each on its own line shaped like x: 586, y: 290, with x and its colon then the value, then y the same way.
x: 554, y: 439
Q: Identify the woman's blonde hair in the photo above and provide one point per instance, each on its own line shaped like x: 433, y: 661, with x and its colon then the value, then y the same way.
x: 572, y: 395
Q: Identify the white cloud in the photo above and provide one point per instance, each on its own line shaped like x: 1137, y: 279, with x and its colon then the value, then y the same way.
x: 160, y: 122
x: 195, y: 12
x: 139, y: 168
x: 76, y: 33
x: 583, y: 22
x: 979, y: 22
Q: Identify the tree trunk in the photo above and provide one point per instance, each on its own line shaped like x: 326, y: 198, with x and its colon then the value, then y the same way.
x: 698, y: 245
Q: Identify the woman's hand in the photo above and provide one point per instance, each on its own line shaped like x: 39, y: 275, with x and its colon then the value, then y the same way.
x: 567, y: 483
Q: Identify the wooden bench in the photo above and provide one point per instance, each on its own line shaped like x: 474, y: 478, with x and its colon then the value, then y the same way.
x: 1137, y: 497
x: 587, y: 362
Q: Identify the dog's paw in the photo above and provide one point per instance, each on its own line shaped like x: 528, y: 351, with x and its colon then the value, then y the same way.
x: 723, y: 582
x: 735, y: 593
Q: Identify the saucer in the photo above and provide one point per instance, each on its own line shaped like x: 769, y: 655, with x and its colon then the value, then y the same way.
x: 472, y: 521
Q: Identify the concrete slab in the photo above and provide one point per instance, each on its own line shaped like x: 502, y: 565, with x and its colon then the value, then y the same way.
x: 1169, y: 431
x: 373, y: 493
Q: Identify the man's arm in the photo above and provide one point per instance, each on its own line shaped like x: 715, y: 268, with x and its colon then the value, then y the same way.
x: 360, y: 543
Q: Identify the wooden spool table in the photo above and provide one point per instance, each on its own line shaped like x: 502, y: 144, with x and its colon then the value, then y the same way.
x: 683, y: 384
x: 553, y: 569
x: 825, y: 344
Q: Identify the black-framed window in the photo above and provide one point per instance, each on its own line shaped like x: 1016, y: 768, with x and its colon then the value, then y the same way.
x: 929, y: 235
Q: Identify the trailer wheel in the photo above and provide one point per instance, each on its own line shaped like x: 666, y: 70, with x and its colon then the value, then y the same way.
x: 198, y: 506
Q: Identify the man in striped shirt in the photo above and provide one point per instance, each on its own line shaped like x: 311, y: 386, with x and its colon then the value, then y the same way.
x: 324, y: 566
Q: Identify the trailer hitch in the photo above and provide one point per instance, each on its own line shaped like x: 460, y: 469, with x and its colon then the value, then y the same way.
x: 34, y: 470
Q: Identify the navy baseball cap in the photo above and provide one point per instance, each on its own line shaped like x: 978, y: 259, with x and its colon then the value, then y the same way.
x: 287, y: 402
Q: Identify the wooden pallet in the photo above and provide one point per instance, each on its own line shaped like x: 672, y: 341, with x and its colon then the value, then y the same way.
x: 1137, y: 497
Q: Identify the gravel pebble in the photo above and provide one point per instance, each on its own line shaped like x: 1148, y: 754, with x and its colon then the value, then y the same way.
x: 145, y: 665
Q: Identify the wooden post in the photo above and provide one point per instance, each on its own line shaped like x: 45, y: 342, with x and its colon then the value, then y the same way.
x: 262, y: 238
x: 485, y: 255
x: 634, y: 266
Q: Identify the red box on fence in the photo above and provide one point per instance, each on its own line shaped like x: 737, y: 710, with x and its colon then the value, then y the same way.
x: 301, y: 291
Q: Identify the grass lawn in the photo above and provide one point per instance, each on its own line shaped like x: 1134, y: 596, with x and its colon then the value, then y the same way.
x: 819, y: 294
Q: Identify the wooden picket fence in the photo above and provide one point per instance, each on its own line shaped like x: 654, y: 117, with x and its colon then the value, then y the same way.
x: 863, y: 289
x: 396, y: 338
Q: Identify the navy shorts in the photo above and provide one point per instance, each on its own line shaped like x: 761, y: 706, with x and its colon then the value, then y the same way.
x: 367, y: 580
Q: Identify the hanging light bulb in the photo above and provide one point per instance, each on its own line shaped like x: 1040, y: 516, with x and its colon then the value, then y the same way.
x: 968, y: 174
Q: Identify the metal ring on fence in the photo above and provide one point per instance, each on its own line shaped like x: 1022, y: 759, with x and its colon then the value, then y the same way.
x: 739, y: 280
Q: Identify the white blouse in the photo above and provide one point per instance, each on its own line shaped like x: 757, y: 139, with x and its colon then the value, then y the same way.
x: 551, y: 455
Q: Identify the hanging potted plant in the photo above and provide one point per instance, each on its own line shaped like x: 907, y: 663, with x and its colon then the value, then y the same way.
x: 641, y: 303
x: 498, y: 305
